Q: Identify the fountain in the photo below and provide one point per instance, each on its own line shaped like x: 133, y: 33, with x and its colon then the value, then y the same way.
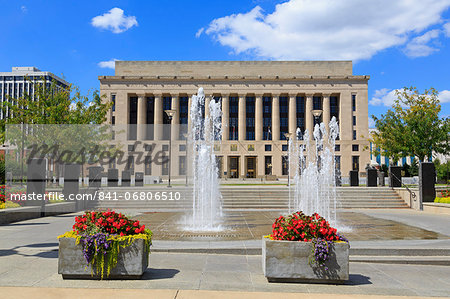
x: 312, y: 166
x: 204, y: 133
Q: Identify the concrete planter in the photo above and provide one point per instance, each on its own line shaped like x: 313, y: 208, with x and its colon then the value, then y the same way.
x: 131, y: 263
x: 288, y: 261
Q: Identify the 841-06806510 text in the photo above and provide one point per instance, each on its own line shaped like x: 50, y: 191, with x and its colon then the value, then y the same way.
x: 140, y: 195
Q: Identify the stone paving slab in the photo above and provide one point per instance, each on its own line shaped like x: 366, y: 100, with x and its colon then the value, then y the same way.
x: 23, y: 292
x: 236, y: 272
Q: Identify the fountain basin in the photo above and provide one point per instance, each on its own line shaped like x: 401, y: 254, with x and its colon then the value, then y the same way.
x: 288, y: 261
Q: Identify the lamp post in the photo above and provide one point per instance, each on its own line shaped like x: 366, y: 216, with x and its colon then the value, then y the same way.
x: 170, y: 114
x: 316, y: 113
x: 186, y: 136
x: 287, y: 136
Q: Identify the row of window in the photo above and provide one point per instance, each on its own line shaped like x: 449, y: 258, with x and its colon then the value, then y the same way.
x: 233, y: 165
x: 233, y: 147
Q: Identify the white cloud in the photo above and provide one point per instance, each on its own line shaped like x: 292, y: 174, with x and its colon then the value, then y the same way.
x: 418, y: 47
x: 371, y: 123
x: 387, y: 97
x: 110, y: 64
x: 114, y: 20
x: 384, y: 97
x: 24, y: 9
x: 199, y: 32
x: 447, y: 29
x: 444, y: 96
x: 327, y: 29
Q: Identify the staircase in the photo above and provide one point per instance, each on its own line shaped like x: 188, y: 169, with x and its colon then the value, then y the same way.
x: 161, y: 198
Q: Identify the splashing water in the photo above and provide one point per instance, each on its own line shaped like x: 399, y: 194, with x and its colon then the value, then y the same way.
x: 204, y: 132
x: 312, y: 167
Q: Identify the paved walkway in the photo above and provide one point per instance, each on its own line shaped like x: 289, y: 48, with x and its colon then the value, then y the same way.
x: 166, y: 294
x: 28, y: 258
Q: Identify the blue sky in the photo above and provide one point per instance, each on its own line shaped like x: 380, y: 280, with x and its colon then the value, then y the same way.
x: 398, y: 43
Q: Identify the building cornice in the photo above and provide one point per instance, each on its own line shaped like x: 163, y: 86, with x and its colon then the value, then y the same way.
x: 214, y: 79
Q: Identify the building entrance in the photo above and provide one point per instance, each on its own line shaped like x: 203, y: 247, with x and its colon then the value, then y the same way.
x: 251, y: 167
x: 233, y: 167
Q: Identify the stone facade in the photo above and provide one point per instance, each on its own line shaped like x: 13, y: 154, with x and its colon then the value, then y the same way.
x: 262, y: 101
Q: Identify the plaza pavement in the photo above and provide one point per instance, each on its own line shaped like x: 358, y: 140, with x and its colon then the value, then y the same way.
x: 28, y: 265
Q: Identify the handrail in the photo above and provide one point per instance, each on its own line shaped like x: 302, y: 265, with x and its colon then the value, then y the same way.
x: 412, y: 194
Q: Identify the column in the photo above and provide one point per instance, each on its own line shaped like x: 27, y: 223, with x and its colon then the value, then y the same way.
x: 158, y: 117
x: 308, y: 115
x: 141, y: 117
x: 175, y: 127
x: 258, y: 118
x: 292, y: 115
x: 275, y: 118
x: 242, y: 118
x: 326, y: 110
x: 225, y: 119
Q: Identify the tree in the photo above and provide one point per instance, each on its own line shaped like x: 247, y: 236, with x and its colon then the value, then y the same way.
x: 52, y: 117
x: 412, y: 127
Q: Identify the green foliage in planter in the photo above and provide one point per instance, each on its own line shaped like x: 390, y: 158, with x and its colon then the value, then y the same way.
x: 100, y: 254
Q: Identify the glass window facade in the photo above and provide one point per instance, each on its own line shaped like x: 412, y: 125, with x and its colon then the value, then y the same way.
x: 250, y: 118
x: 300, y: 101
x: 267, y: 118
x: 284, y: 116
x: 233, y: 121
x: 334, y: 107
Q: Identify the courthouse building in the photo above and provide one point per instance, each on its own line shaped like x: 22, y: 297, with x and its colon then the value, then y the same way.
x: 263, y: 103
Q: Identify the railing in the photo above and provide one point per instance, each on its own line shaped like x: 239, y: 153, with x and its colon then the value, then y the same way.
x: 412, y: 194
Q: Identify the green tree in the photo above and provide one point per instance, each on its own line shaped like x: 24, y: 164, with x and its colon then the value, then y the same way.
x: 413, y: 126
x: 50, y: 114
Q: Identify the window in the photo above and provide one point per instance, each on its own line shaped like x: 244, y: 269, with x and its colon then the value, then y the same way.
x: 268, y: 147
x: 300, y: 101
x: 267, y: 118
x: 355, y: 163
x: 233, y: 122
x: 284, y: 147
x: 184, y: 103
x: 334, y: 107
x: 113, y: 120
x: 113, y: 100
x: 354, y: 134
x: 182, y: 147
x: 131, y: 148
x: 354, y: 120
x: 354, y: 102
x: 250, y: 118
x: 165, y: 147
x: 317, y: 103
x: 355, y: 147
x: 337, y: 148
x: 148, y: 147
x: 132, y: 132
x: 284, y: 114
